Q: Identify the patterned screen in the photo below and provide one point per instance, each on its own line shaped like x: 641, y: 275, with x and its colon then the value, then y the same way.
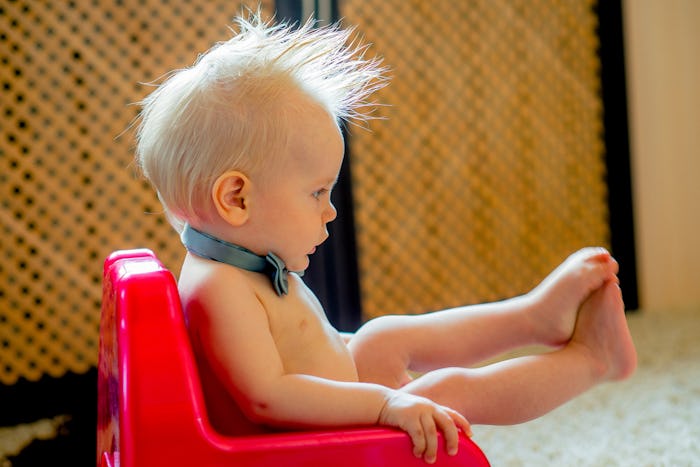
x: 489, y: 167
x: 486, y: 172
x: 70, y: 195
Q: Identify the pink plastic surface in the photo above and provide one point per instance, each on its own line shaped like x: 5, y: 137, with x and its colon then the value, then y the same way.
x: 150, y: 406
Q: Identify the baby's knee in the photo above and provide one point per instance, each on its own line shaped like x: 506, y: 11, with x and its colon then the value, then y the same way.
x: 377, y: 352
x: 378, y: 329
x: 367, y: 337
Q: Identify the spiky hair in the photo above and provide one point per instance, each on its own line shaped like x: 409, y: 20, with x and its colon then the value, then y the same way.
x: 226, y: 111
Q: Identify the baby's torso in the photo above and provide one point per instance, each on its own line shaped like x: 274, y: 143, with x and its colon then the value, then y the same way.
x: 306, y: 341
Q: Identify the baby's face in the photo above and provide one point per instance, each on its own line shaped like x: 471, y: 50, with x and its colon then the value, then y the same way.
x: 294, y: 207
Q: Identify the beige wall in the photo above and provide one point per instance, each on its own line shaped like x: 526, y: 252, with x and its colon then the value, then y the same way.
x: 663, y: 69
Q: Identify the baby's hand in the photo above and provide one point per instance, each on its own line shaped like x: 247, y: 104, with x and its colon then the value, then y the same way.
x: 421, y: 418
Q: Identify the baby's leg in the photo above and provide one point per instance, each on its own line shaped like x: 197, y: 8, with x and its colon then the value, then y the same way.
x: 520, y: 389
x: 386, y: 347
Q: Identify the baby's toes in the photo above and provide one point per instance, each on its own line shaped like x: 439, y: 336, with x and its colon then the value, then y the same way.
x: 592, y: 254
x: 604, y: 266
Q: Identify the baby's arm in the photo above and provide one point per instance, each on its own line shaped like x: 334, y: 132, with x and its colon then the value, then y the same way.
x: 237, y: 342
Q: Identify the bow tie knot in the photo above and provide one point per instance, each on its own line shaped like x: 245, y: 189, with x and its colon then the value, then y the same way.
x: 278, y: 274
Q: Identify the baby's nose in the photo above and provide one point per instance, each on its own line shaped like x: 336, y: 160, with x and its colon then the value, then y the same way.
x: 330, y: 213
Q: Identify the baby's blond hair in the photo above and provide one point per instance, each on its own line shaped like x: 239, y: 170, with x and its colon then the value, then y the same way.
x: 227, y: 111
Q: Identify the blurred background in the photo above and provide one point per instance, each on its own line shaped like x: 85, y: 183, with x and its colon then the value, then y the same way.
x: 514, y: 132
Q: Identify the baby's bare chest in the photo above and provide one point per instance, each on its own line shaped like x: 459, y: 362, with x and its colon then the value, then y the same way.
x: 307, y: 343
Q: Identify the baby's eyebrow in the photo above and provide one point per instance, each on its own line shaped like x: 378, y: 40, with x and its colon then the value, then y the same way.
x: 328, y: 183
x: 331, y: 182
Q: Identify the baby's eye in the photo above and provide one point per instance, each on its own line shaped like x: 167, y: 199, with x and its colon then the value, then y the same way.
x: 318, y: 193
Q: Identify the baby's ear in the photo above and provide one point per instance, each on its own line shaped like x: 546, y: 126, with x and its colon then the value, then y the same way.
x: 229, y: 195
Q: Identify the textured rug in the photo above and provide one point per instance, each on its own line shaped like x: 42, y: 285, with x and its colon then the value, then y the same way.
x: 652, y: 419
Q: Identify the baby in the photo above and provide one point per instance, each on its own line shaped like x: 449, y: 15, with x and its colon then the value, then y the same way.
x: 244, y: 148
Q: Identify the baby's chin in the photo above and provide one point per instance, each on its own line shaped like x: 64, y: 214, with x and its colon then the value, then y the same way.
x: 298, y: 265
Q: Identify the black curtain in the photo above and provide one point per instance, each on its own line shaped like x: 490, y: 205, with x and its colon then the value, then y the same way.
x: 617, y: 149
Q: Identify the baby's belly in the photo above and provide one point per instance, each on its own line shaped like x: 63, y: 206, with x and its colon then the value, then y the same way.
x: 326, y: 359
x: 308, y: 344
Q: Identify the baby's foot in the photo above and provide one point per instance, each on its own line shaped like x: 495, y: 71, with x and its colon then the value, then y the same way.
x: 602, y: 330
x: 556, y: 300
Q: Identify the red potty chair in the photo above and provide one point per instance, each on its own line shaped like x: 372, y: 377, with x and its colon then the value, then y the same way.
x: 151, y: 411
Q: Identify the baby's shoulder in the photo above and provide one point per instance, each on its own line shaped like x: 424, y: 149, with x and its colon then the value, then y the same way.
x: 198, y: 273
x: 213, y: 285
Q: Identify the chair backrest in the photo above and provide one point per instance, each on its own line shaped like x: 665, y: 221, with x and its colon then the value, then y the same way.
x: 151, y: 410
x: 147, y: 375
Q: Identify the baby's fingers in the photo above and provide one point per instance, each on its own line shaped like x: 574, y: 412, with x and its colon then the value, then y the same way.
x: 455, y: 421
x: 448, y: 425
x: 417, y: 434
x: 461, y: 422
x: 431, y: 442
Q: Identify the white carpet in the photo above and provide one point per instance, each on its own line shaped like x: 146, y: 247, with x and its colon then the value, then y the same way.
x: 652, y: 419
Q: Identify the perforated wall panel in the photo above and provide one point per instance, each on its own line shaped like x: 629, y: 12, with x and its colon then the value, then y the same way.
x: 70, y: 71
x: 488, y: 170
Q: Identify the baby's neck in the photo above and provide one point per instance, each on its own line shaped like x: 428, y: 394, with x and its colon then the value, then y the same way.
x: 208, y: 246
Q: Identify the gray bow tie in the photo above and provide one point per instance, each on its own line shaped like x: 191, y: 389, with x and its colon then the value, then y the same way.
x: 207, y: 246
